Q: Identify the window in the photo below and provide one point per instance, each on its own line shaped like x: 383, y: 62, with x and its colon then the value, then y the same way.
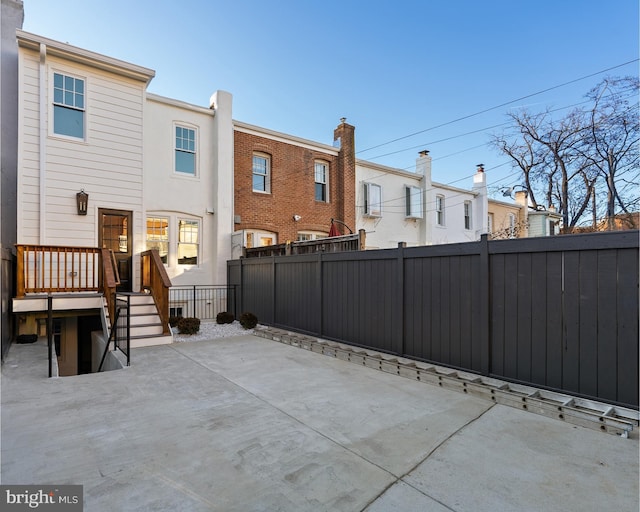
x: 321, y: 177
x: 413, y: 203
x: 304, y: 236
x: 440, y: 210
x: 185, y: 150
x: 372, y: 200
x: 512, y: 225
x: 490, y: 223
x: 467, y: 215
x: 261, y: 173
x: 177, y: 311
x: 68, y: 106
x: 259, y: 238
x: 188, y: 241
x: 158, y: 236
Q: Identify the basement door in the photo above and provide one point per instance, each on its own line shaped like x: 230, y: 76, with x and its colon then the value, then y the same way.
x: 115, y: 234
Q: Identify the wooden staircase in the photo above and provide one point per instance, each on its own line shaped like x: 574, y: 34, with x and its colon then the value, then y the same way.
x: 146, y: 325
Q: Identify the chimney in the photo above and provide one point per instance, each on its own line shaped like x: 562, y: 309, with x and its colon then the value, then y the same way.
x: 344, y: 139
x: 480, y: 202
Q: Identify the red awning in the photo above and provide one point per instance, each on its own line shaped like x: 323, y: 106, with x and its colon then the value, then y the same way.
x: 333, y: 230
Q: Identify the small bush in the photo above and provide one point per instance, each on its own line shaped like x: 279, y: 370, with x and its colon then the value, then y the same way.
x: 225, y: 317
x: 248, y: 320
x: 188, y: 325
x: 173, y: 320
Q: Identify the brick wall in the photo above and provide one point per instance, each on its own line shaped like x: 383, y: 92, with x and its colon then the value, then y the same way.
x: 292, y: 186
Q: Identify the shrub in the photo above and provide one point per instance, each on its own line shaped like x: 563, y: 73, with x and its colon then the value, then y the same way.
x: 225, y: 317
x: 188, y: 325
x: 248, y: 320
x: 173, y: 320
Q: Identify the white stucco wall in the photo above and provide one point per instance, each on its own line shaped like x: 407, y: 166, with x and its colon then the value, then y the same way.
x: 206, y: 197
x: 392, y: 226
x: 453, y: 230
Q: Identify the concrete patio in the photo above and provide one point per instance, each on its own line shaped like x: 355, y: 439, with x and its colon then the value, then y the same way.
x: 246, y: 424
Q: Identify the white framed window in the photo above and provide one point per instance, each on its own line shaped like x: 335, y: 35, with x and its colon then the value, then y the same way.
x: 413, y: 202
x: 261, y: 173
x: 188, y: 241
x: 68, y: 106
x: 440, y: 210
x: 185, y: 150
x: 254, y: 238
x: 467, y: 215
x: 158, y: 236
x: 321, y: 177
x: 490, y: 223
x: 512, y: 225
x: 372, y: 200
x: 304, y: 236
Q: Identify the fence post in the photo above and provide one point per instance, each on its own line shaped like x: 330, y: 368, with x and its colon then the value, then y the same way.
x: 320, y: 288
x: 399, y: 314
x: 485, y: 307
x: 50, y: 332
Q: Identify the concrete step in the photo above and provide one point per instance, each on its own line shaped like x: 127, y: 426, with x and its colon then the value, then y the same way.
x: 151, y: 340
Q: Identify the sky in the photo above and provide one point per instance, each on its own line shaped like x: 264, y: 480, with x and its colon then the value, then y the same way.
x: 408, y: 74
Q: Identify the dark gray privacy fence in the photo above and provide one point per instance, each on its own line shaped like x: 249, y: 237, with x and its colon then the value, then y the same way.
x: 556, y: 312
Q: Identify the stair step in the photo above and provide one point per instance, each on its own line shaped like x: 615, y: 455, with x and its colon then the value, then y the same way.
x: 151, y: 340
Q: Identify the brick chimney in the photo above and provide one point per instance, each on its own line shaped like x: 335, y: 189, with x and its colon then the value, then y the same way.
x: 344, y: 138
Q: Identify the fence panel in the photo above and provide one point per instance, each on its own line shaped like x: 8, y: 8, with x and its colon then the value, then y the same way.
x: 297, y: 293
x: 359, y: 299
x: 441, y: 313
x: 557, y: 312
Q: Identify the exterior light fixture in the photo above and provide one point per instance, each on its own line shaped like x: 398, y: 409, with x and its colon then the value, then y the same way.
x: 82, y: 202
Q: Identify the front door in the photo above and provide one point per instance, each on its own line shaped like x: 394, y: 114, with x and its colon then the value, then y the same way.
x: 115, y: 234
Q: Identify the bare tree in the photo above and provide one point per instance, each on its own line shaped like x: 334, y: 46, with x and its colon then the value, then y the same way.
x: 585, y: 162
x: 548, y: 153
x: 612, y: 144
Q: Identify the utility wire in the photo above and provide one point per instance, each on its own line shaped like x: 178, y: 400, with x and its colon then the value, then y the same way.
x: 501, y: 105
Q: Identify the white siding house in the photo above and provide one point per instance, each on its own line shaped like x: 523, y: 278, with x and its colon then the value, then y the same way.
x: 382, y: 196
x: 394, y: 206
x: 80, y: 128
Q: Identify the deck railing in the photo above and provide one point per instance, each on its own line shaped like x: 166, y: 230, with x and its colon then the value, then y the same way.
x: 49, y: 268
x: 156, y: 280
x: 352, y: 242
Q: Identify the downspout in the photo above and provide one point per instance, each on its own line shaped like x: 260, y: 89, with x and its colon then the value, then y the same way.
x: 43, y: 141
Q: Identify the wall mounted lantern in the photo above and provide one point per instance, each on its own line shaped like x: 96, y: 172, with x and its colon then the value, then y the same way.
x: 82, y: 201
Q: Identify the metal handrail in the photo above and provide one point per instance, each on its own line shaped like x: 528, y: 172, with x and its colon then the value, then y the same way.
x: 111, y: 339
x: 113, y: 335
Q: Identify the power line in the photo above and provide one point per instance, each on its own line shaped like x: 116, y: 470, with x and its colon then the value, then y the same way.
x: 501, y: 105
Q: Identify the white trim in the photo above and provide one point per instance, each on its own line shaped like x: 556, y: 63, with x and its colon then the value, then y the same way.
x: 43, y: 142
x: 411, y: 189
x: 327, y: 170
x: 85, y: 57
x: 267, y: 176
x: 196, y: 150
x: 283, y: 137
x: 180, y: 104
x: 367, y: 201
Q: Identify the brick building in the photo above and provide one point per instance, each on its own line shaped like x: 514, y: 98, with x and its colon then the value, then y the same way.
x: 288, y: 188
